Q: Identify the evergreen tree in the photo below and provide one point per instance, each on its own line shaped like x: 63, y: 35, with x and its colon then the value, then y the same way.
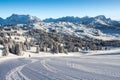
x: 18, y: 49
x: 37, y: 49
x: 61, y: 49
x: 5, y: 50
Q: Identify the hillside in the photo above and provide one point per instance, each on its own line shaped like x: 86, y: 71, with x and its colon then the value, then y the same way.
x: 62, y: 35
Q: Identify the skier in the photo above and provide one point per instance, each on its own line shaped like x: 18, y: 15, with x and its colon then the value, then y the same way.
x: 29, y: 55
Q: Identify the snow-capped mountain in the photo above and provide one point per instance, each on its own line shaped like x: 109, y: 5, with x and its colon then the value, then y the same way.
x: 98, y: 27
x: 19, y: 19
x: 1, y: 21
x: 101, y: 20
x: 22, y: 19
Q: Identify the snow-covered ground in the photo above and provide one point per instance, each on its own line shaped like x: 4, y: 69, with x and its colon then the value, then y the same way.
x: 74, y: 66
x: 79, y: 30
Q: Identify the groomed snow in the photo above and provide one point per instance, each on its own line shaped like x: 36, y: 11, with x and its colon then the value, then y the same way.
x: 95, y: 65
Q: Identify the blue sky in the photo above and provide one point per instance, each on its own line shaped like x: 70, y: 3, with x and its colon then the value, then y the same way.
x: 59, y: 8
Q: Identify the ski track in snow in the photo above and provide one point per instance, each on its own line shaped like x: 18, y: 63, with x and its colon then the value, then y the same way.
x: 65, y: 68
x: 16, y: 74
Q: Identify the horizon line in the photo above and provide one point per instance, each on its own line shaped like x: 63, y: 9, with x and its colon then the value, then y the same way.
x: 59, y: 16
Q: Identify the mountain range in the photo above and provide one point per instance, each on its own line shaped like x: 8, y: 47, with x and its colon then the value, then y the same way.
x: 101, y: 19
x: 23, y: 19
x: 98, y: 27
x: 19, y: 19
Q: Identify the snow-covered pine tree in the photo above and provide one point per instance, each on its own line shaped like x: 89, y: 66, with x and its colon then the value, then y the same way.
x: 5, y: 51
x: 18, y: 49
x: 61, y: 49
x: 37, y: 49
